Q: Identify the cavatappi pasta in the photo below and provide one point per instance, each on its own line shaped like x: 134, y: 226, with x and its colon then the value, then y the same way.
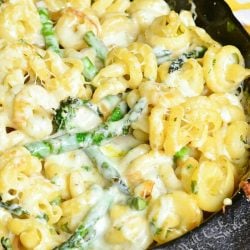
x: 120, y: 124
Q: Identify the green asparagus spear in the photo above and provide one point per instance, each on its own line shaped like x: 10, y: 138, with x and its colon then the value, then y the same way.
x: 101, y: 50
x: 48, y: 31
x: 106, y: 168
x: 89, y: 69
x: 6, y: 244
x: 14, y: 209
x: 64, y: 115
x: 86, y: 232
x: 177, y: 63
x: 69, y: 142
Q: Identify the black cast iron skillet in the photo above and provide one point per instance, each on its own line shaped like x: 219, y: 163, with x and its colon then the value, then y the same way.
x: 229, y: 230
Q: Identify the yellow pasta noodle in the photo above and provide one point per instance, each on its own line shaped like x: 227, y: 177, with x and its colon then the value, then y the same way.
x: 188, y: 80
x: 147, y: 59
x: 128, y: 227
x: 58, y: 5
x: 146, y: 168
x: 20, y: 20
x: 103, y: 6
x: 33, y: 234
x: 131, y: 62
x: 168, y: 32
x: 224, y: 68
x: 17, y: 165
x: 156, y: 127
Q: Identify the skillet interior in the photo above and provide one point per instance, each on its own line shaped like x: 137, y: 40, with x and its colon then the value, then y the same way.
x: 232, y: 229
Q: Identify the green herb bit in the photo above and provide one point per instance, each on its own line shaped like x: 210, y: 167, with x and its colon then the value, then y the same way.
x: 89, y: 69
x: 167, y: 233
x: 137, y: 203
x: 194, y: 187
x: 52, y: 230
x: 57, y: 201
x: 236, y: 58
x: 6, y: 243
x: 118, y: 228
x: 244, y: 140
x: 43, y: 216
x: 230, y: 26
x: 14, y: 209
x: 155, y: 230
x: 86, y: 168
x: 183, y: 152
x: 54, y: 179
x: 101, y: 50
x: 65, y: 228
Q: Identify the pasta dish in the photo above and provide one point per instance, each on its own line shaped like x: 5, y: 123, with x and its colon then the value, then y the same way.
x: 121, y: 123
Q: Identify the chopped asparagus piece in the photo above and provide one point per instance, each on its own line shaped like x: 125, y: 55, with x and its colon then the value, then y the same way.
x: 177, y: 63
x: 89, y: 70
x: 101, y: 50
x: 194, y: 187
x: 6, y: 244
x: 85, y: 232
x: 106, y: 168
x: 181, y: 153
x: 137, y: 203
x: 69, y: 142
x: 48, y: 31
x: 14, y: 209
x: 118, y: 113
x: 56, y: 202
